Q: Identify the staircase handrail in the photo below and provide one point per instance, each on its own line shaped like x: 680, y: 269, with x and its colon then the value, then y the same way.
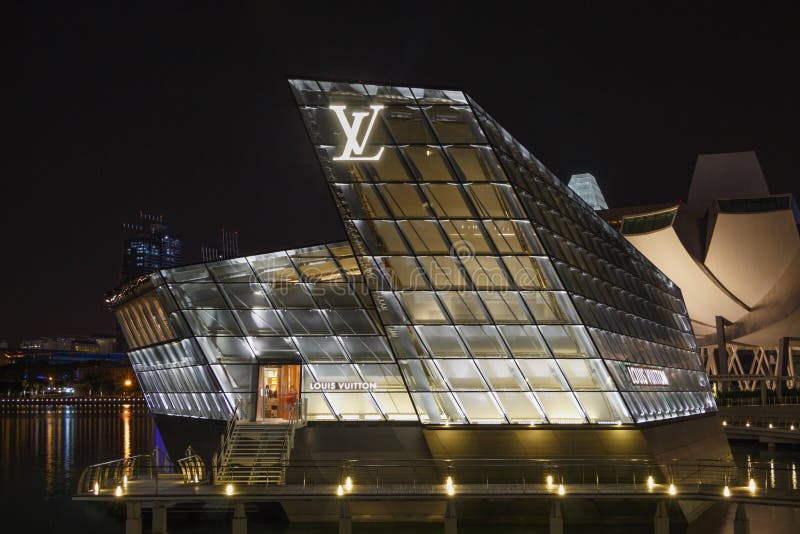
x: 227, y: 438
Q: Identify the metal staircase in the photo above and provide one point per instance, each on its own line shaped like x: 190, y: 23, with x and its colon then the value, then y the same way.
x: 255, y: 453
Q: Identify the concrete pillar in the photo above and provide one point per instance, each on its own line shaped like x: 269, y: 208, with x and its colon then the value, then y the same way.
x: 722, y: 354
x: 661, y: 519
x: 159, y: 519
x: 133, y: 517
x: 345, y: 520
x: 741, y: 523
x: 782, y: 366
x: 556, y: 519
x: 450, y: 519
x: 239, y: 519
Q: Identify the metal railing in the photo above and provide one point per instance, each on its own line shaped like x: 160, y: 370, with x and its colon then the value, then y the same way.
x: 193, y: 470
x: 121, y: 471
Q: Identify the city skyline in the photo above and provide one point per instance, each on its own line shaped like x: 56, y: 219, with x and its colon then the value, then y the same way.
x: 600, y: 106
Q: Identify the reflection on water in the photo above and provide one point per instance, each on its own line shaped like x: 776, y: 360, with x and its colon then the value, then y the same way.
x: 44, y: 449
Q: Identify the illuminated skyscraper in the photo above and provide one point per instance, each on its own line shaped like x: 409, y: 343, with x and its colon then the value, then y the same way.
x: 149, y: 246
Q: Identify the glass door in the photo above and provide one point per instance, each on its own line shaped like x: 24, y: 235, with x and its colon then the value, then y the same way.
x: 278, y: 391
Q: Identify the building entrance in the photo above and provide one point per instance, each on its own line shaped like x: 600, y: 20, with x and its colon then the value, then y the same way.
x: 278, y: 391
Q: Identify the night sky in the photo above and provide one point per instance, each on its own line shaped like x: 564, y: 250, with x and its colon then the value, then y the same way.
x: 183, y: 109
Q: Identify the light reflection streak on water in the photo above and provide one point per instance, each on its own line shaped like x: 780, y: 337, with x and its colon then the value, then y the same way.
x: 126, y: 431
x: 772, y: 473
x: 749, y: 464
x: 794, y: 476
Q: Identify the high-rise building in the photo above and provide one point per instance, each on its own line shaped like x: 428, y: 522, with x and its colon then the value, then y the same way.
x: 586, y: 186
x: 149, y: 246
x: 227, y: 246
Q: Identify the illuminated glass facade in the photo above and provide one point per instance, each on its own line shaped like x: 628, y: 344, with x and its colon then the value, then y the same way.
x: 475, y: 288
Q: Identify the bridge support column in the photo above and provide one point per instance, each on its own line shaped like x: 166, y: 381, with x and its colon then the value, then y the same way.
x: 159, y: 519
x: 722, y: 354
x: 239, y: 525
x: 661, y: 519
x: 782, y: 366
x: 741, y: 523
x: 345, y: 519
x: 450, y: 519
x: 133, y: 518
x: 556, y: 519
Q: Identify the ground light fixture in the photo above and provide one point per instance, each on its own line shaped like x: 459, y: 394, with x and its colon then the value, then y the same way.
x: 561, y: 490
x: 229, y: 489
x: 650, y: 482
x: 672, y: 490
x: 549, y: 481
x: 348, y: 484
x: 340, y: 490
x: 451, y: 490
x: 96, y: 488
x: 751, y: 486
x: 726, y: 492
x: 118, y: 491
x: 125, y: 481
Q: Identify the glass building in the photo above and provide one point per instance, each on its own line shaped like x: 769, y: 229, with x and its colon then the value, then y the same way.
x: 474, y: 288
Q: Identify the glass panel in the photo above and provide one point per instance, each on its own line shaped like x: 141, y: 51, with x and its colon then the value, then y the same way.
x: 320, y: 349
x: 235, y: 270
x: 402, y: 272
x: 604, y: 407
x: 212, y: 322
x: 274, y: 348
x: 480, y: 408
x: 502, y: 374
x: 381, y: 237
x: 422, y: 375
x: 524, y: 341
x: 568, y: 341
x: 425, y: 237
x: 543, y: 374
x: 389, y: 168
x: 561, y: 408
x: 316, y: 408
x: 548, y: 307
x: 407, y: 125
x: 437, y: 408
x: 520, y: 407
x: 274, y: 267
x: 405, y: 201
x: 531, y: 273
x: 447, y: 200
x: 396, y: 406
x: 586, y: 374
x: 485, y: 272
x: 463, y: 307
x: 494, y: 201
x: 386, y: 94
x: 193, y: 296
x: 333, y: 295
x: 385, y: 377
x: 191, y: 273
x: 438, y: 96
x: 226, y: 349
x: 289, y: 295
x: 350, y: 322
x: 260, y: 323
x: 455, y: 124
x: 505, y: 307
x: 428, y: 163
x: 442, y: 341
x: 318, y: 270
x: 466, y: 237
x: 245, y: 296
x: 422, y: 306
x: 354, y: 406
x: 444, y: 272
x: 405, y: 342
x: 367, y: 349
x: 477, y: 164
x: 305, y: 322
x: 483, y: 341
x: 461, y: 374
x: 513, y: 237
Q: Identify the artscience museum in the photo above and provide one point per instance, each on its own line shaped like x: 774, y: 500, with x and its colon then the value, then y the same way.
x: 475, y: 291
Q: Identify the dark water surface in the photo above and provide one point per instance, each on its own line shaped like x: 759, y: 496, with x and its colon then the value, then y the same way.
x: 44, y: 449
